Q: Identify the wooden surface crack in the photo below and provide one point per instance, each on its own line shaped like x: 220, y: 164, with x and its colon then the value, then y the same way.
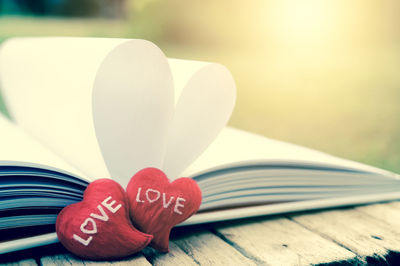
x: 363, y: 235
x: 322, y: 235
x: 248, y: 255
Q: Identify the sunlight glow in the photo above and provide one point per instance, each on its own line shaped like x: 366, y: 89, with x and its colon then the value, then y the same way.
x: 310, y: 20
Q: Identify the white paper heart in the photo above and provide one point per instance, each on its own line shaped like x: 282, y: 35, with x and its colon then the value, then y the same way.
x: 57, y: 86
x: 112, y: 100
x: 133, y: 102
x: 203, y: 109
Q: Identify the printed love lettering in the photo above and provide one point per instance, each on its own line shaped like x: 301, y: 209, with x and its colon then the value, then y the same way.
x: 88, y: 231
x: 152, y: 191
x: 166, y: 204
x: 156, y: 205
x: 99, y: 226
x: 178, y: 204
x: 104, y: 217
x: 84, y: 242
x: 109, y: 205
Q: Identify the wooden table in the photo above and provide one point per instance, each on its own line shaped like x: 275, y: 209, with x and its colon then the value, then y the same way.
x: 361, y: 235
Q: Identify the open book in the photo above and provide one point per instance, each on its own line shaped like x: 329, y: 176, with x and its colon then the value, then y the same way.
x: 87, y: 108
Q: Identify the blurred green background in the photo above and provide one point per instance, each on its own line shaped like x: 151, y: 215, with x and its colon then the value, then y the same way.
x: 324, y: 74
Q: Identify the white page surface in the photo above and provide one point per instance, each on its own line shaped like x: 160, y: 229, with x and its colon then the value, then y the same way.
x: 234, y: 147
x: 133, y: 103
x: 48, y: 85
x: 205, y: 94
x: 18, y: 149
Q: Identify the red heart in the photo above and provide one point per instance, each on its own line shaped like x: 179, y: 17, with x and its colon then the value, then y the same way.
x: 99, y: 226
x: 156, y: 205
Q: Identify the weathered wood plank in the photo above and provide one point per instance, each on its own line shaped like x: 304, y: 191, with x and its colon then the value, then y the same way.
x: 368, y: 237
x: 368, y: 233
x: 68, y: 259
x: 29, y: 262
x: 280, y: 241
x: 176, y: 256
x: 394, y: 204
x: 388, y: 212
x: 189, y: 247
x: 208, y: 249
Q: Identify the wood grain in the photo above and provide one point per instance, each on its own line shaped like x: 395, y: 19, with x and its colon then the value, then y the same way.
x: 29, y: 262
x: 367, y: 234
x: 388, y: 212
x: 68, y: 259
x: 280, y: 241
x: 370, y: 238
x: 208, y: 249
x: 176, y: 256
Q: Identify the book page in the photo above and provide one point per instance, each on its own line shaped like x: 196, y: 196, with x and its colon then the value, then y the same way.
x: 109, y: 106
x: 48, y: 85
x: 234, y: 147
x: 205, y: 94
x: 194, y: 103
x: 287, y: 207
x: 18, y: 149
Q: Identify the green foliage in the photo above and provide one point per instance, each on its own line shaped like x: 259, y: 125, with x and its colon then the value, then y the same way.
x: 79, y: 8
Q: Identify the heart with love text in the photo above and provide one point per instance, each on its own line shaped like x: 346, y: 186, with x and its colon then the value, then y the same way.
x: 99, y: 226
x: 156, y: 204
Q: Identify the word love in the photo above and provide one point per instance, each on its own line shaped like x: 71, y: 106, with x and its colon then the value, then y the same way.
x: 89, y: 226
x: 98, y: 227
x: 153, y: 195
x: 156, y: 204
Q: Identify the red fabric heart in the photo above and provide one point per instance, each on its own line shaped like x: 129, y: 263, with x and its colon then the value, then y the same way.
x: 99, y: 226
x: 156, y: 205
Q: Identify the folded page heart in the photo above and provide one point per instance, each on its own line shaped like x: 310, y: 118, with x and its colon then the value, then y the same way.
x: 133, y: 103
x: 99, y: 226
x: 156, y: 205
x: 205, y: 94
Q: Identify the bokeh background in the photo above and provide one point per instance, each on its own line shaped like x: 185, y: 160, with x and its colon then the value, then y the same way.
x: 324, y: 74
